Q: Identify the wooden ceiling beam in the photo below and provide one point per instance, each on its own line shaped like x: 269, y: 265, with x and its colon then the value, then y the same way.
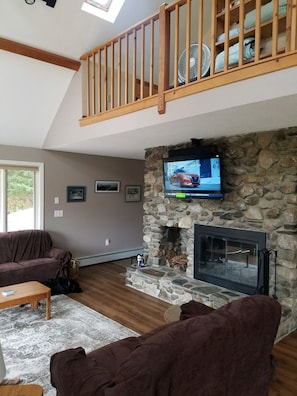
x: 41, y: 55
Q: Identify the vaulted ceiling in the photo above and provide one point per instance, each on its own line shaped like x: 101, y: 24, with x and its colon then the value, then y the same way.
x: 41, y: 102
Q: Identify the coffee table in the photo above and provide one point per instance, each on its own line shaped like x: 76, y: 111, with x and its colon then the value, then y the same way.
x: 21, y: 390
x: 27, y: 293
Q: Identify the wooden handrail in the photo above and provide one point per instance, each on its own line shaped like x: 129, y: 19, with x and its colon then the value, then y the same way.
x: 134, y: 71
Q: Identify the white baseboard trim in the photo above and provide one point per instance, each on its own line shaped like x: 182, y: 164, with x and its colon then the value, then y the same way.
x: 105, y: 257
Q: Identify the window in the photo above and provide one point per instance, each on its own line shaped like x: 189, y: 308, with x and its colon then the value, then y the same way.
x: 21, y: 195
x: 105, y: 9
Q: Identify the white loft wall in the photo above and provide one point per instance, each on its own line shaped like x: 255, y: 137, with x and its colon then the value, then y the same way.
x: 235, y: 108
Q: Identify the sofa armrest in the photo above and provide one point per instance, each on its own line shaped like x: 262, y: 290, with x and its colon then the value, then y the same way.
x: 74, y: 374
x: 194, y: 308
x: 60, y: 255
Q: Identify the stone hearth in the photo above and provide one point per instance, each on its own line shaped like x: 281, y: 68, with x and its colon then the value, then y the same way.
x: 176, y: 288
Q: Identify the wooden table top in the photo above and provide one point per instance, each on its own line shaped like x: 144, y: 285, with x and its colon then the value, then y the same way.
x: 21, y: 390
x: 22, y: 290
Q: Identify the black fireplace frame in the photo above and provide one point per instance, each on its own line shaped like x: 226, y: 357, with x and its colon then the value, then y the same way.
x: 248, y: 236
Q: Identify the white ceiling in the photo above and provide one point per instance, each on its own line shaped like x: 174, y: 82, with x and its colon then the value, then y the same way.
x: 41, y: 103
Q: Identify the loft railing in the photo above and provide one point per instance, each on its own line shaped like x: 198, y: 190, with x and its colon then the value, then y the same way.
x: 162, y: 59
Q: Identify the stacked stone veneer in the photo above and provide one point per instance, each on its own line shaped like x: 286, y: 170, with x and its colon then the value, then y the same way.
x: 259, y: 180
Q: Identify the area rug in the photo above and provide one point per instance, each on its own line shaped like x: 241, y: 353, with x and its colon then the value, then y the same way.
x: 28, y: 340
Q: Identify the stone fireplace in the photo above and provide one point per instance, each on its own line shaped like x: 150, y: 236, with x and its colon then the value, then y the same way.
x: 259, y: 182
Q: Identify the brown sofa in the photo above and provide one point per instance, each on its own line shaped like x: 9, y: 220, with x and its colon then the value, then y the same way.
x: 223, y: 352
x: 29, y: 255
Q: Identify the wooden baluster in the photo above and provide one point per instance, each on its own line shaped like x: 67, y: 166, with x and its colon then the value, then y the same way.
x: 291, y: 23
x: 241, y: 33
x: 126, y: 67
x: 88, y: 85
x: 152, y: 38
x: 105, y: 79
x: 258, y: 30
x: 188, y: 40
x: 93, y: 84
x: 226, y: 31
x: 176, y: 45
x: 119, y: 69
x: 200, y: 39
x: 275, y: 22
x: 213, y: 49
x: 134, y: 67
x: 163, y: 57
x: 142, y: 49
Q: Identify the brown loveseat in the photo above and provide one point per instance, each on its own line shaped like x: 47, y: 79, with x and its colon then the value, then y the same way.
x: 225, y: 352
x: 29, y: 255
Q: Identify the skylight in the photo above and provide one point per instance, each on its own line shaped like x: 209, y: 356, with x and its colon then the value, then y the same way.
x: 105, y: 9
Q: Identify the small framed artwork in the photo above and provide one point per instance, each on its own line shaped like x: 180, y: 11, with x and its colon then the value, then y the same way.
x: 107, y: 186
x: 132, y: 193
x: 76, y: 194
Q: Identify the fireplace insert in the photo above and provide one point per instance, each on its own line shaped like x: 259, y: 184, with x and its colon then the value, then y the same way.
x: 235, y: 259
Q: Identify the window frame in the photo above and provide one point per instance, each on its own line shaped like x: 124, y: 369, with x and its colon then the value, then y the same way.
x: 38, y: 191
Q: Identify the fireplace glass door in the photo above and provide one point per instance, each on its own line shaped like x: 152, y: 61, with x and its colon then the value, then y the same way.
x: 232, y: 258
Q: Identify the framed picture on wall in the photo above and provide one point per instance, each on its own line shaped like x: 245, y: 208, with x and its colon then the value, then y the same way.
x: 132, y: 193
x: 76, y: 194
x: 107, y: 186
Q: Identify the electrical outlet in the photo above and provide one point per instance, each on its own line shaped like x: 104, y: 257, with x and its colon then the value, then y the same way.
x: 107, y: 242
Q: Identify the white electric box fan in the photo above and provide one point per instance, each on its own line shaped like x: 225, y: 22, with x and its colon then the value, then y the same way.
x: 194, y: 48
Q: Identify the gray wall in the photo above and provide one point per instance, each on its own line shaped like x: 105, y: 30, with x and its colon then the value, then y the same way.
x: 85, y: 225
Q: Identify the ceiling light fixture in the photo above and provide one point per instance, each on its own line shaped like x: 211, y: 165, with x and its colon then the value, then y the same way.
x: 105, y: 9
x: 50, y: 3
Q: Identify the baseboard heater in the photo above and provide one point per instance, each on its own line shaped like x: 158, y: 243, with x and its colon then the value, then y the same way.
x: 106, y: 257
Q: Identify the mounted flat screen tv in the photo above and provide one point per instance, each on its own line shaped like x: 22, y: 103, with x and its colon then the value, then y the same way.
x: 193, y: 176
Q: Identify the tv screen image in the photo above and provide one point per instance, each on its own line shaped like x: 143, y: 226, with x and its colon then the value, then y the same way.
x: 196, y: 177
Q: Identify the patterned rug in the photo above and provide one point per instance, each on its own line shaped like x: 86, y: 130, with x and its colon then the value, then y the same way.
x: 28, y: 340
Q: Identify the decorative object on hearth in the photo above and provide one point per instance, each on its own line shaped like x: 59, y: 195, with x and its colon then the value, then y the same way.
x: 50, y: 3
x: 140, y: 260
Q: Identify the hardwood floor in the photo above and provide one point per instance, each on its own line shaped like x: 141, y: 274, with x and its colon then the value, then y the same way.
x: 104, y: 290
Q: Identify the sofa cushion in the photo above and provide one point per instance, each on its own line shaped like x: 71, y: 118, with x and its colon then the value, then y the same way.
x: 29, y: 244
x: 11, y: 273
x: 41, y: 268
x: 5, y: 251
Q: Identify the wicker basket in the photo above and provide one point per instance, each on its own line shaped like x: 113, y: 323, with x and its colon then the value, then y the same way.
x: 73, y: 269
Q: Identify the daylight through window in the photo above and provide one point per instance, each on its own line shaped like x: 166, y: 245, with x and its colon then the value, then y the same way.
x: 21, y: 189
x: 105, y: 9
